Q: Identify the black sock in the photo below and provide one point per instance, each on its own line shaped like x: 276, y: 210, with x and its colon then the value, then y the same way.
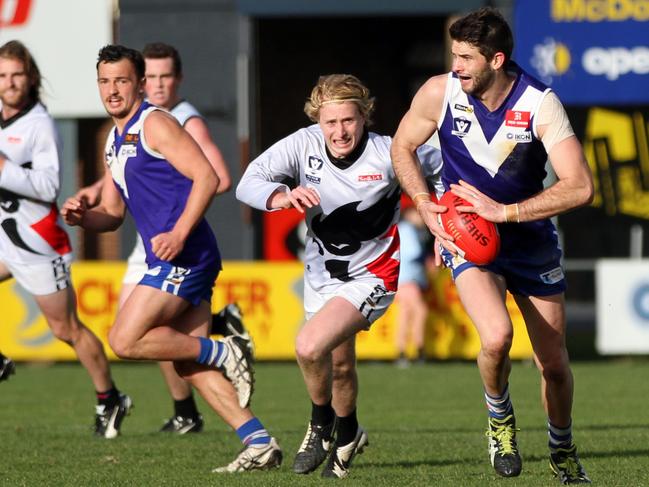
x: 322, y: 415
x: 347, y: 429
x: 108, y: 398
x: 219, y: 324
x: 186, y: 407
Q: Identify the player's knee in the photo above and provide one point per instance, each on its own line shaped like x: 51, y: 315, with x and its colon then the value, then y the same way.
x: 120, y: 345
x: 307, y: 351
x: 64, y: 330
x: 497, y: 346
x: 555, y: 369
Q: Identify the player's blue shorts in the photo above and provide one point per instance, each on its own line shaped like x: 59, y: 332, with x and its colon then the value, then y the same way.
x: 191, y: 284
x: 536, y: 271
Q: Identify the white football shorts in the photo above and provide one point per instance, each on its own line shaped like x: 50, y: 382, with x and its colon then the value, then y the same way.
x: 368, y: 296
x: 41, y: 278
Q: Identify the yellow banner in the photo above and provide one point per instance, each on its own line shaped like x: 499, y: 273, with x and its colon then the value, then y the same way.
x: 270, y: 295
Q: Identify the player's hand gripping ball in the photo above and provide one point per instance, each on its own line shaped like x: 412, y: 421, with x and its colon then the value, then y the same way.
x: 476, y: 239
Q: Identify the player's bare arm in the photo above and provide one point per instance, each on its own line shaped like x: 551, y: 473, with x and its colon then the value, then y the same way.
x: 164, y: 135
x: 299, y: 198
x: 573, y: 188
x: 416, y: 127
x: 91, y: 194
x: 105, y: 217
x: 198, y: 129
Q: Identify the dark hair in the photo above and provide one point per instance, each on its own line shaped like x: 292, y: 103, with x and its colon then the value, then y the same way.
x: 113, y: 53
x: 17, y: 50
x: 160, y: 50
x: 485, y: 29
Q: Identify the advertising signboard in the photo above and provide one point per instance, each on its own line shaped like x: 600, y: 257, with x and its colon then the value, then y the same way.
x: 588, y: 51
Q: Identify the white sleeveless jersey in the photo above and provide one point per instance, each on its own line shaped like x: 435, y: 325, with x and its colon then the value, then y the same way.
x: 31, y: 230
x: 352, y: 234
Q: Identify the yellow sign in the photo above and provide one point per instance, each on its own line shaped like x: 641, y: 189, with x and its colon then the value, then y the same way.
x: 270, y: 295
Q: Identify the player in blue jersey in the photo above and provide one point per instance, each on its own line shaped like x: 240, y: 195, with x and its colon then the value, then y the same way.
x: 497, y: 126
x: 162, y: 177
x: 164, y: 74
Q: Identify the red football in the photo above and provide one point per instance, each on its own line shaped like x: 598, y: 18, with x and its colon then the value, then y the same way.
x: 476, y: 239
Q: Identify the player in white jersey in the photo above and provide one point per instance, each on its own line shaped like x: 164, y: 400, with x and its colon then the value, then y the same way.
x: 164, y: 74
x: 34, y: 248
x: 346, y: 185
x: 497, y: 126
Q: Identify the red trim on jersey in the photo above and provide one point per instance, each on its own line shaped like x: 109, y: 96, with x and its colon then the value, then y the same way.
x: 52, y: 233
x: 385, y: 267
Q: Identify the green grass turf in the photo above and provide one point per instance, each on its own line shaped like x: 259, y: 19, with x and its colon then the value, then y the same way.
x: 426, y: 427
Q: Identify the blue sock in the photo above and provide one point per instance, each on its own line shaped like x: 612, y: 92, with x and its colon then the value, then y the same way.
x: 499, y: 407
x: 253, y: 433
x: 559, y: 437
x: 213, y: 352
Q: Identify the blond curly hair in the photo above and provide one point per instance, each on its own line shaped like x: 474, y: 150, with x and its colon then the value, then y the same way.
x: 338, y: 88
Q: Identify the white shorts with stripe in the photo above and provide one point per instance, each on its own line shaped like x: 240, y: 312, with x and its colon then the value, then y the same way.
x: 41, y: 278
x: 368, y: 296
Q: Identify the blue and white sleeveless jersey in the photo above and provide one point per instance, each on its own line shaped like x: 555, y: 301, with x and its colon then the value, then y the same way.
x: 498, y: 152
x: 155, y: 193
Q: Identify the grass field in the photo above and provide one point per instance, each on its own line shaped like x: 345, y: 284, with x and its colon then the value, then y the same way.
x: 426, y: 427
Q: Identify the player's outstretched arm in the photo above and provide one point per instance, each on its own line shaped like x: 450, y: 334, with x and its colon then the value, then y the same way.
x: 106, y: 217
x: 197, y: 128
x: 299, y: 198
x: 416, y: 127
x: 91, y: 194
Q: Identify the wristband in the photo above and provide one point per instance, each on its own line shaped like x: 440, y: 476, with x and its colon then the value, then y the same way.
x: 420, y: 198
x: 512, y: 213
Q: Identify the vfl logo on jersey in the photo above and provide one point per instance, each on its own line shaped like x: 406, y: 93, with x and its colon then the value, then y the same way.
x: 313, y: 169
x: 463, y: 108
x: 370, y: 177
x: 521, y: 137
x: 516, y: 118
x: 462, y: 126
x: 110, y: 155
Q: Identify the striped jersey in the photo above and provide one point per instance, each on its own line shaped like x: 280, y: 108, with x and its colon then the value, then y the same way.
x: 155, y: 193
x: 352, y: 234
x: 498, y: 152
x: 29, y: 185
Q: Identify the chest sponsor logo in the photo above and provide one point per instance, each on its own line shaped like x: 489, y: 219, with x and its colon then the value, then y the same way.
x: 461, y: 126
x: 370, y: 177
x: 463, y: 108
x: 520, y: 137
x: 313, y: 169
x: 128, y: 151
x: 516, y: 118
x: 553, y: 276
x: 14, y: 140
